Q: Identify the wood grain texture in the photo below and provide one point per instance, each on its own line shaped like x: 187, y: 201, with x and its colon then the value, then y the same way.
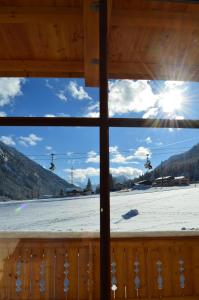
x: 83, y: 258
x: 147, y: 39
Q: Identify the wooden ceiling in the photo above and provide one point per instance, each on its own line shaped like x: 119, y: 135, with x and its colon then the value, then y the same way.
x: 59, y: 38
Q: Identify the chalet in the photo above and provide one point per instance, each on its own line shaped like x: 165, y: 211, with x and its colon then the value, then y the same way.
x: 164, y: 181
x: 181, y: 180
x: 171, y: 181
x: 145, y: 182
x: 74, y: 191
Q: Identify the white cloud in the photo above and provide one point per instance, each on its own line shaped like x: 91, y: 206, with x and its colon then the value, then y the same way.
x: 130, y: 96
x: 119, y: 158
x: 83, y: 174
x: 93, y: 157
x: 93, y: 110
x: 3, y: 114
x: 141, y: 152
x: 49, y: 116
x: 57, y: 115
x: 93, y: 114
x: 173, y: 84
x: 113, y: 149
x: 78, y: 91
x: 151, y: 113
x: 9, y: 89
x: 126, y: 171
x: 69, y: 153
x: 49, y: 148
x: 48, y: 84
x: 179, y: 117
x: 30, y: 140
x: 159, y: 143
x: 116, y: 157
x: 148, y: 140
x: 8, y: 140
x: 61, y: 95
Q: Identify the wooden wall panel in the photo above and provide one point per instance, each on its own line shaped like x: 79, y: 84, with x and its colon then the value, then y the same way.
x: 177, y: 257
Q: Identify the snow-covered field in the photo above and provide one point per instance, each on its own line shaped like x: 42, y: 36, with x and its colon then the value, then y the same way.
x: 159, y: 210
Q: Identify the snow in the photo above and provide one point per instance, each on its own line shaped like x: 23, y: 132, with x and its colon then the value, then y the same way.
x: 167, y: 209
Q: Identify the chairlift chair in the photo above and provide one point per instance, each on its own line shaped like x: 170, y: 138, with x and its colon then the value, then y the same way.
x: 52, y: 165
x: 148, y: 164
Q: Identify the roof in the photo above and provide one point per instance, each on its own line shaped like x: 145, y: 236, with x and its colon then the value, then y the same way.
x: 180, y: 177
x: 59, y: 38
x: 164, y: 178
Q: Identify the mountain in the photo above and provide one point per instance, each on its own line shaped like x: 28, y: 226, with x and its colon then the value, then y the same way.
x: 186, y: 164
x: 22, y: 178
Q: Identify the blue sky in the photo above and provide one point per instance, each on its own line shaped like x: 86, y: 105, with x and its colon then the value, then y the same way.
x: 79, y: 147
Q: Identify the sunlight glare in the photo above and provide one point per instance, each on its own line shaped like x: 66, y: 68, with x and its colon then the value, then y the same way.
x: 171, y: 101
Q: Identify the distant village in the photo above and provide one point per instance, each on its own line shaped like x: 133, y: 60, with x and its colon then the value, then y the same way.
x: 165, y: 181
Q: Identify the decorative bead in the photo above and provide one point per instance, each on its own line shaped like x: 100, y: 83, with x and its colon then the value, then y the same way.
x: 66, y: 272
x: 182, y: 277
x: 18, y: 272
x: 137, y: 281
x: 159, y: 278
x: 113, y: 278
x: 42, y: 281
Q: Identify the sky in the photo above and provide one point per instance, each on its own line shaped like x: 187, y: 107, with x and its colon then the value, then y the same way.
x: 79, y: 147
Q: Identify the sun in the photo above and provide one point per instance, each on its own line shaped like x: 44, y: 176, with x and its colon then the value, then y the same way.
x: 171, y: 101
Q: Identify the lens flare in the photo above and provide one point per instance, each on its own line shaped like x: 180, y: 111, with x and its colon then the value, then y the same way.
x: 21, y: 207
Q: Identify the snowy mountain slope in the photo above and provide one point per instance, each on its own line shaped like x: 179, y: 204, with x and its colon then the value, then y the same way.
x: 186, y: 164
x: 163, y: 210
x: 22, y: 178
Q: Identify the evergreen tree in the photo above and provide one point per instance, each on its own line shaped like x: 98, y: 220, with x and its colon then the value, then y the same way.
x: 111, y: 182
x: 89, y: 186
x: 61, y: 193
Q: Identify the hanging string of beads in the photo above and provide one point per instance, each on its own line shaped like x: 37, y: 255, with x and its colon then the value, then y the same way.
x: 18, y: 273
x: 181, y: 269
x: 42, y: 281
x: 137, y: 280
x: 66, y: 272
x: 113, y: 278
x: 159, y: 277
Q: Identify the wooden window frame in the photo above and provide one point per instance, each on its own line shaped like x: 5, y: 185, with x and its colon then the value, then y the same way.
x: 103, y: 123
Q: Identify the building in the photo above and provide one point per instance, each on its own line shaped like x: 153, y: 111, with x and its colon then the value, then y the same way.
x: 164, y: 181
x: 181, y: 180
x: 73, y: 191
x: 171, y: 181
x: 145, y: 182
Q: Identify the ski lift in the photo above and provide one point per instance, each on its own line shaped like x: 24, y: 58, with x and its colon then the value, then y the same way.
x: 148, y: 164
x: 52, y: 165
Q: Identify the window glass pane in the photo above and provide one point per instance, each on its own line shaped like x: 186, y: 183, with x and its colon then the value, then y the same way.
x: 153, y: 99
x: 46, y: 97
x: 49, y: 212
x: 48, y: 163
x: 154, y: 176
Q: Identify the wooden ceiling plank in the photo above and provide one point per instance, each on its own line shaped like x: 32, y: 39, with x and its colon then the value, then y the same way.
x: 39, y: 14
x: 41, y: 66
x: 91, y: 42
x: 110, y: 5
x: 154, y: 19
x: 153, y: 71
